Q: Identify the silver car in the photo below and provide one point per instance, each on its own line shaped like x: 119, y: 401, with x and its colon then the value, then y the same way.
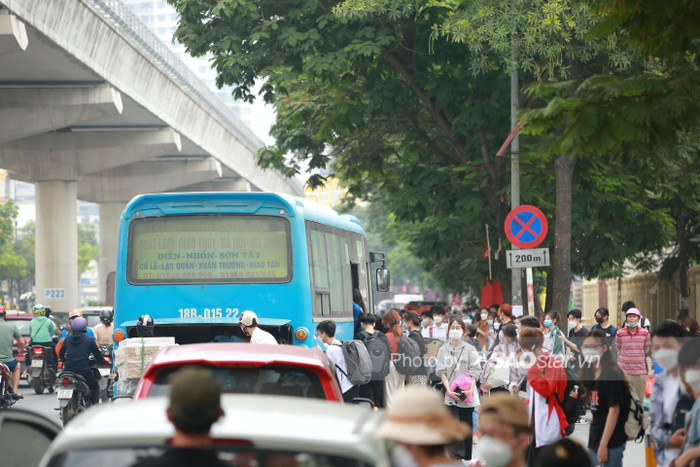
x: 255, y: 431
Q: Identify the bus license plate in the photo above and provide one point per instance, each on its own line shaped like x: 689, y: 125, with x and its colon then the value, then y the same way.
x: 65, y: 393
x: 104, y: 371
x: 37, y: 363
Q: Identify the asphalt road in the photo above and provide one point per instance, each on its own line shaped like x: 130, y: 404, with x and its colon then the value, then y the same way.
x: 41, y: 403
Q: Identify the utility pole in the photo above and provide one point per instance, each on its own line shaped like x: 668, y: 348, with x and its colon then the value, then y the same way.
x: 514, y: 158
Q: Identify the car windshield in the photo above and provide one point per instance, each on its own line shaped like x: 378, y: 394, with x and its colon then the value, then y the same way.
x: 239, y: 457
x: 92, y: 320
x: 279, y: 381
x: 22, y: 325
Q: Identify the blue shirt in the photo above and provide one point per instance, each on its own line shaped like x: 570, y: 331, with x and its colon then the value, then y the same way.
x: 64, y: 333
x: 692, y: 422
x: 356, y: 311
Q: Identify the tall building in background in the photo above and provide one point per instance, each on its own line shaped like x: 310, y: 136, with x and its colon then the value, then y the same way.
x: 161, y: 18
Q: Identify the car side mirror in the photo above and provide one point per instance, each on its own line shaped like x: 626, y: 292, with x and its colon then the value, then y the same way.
x: 383, y: 279
x: 364, y: 401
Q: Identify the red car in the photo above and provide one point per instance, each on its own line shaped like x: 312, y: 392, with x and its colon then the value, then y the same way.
x: 243, y: 368
x: 21, y: 321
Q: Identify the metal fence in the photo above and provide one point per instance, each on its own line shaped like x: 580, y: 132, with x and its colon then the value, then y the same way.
x: 131, y: 26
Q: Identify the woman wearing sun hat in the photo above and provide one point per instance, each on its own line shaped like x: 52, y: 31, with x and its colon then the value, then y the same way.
x: 422, y: 428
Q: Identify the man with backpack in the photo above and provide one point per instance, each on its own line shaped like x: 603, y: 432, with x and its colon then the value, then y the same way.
x: 336, y: 352
x: 378, y: 347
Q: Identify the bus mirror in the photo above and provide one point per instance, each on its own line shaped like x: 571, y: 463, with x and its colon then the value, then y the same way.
x: 383, y: 280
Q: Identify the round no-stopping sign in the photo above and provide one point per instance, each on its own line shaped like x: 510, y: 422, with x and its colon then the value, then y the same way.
x: 526, y: 226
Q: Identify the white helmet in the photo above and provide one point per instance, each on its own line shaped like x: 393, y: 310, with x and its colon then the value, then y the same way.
x: 248, y: 318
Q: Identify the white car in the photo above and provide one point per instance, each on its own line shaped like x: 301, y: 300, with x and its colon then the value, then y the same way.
x: 256, y: 431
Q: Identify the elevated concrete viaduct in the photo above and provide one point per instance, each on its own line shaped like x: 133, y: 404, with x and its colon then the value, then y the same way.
x: 93, y: 106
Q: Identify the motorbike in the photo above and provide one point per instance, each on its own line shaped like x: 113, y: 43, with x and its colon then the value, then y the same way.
x: 73, y: 395
x: 6, y: 399
x: 106, y: 384
x: 42, y: 371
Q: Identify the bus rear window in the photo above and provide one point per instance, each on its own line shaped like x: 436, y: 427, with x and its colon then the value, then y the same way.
x: 209, y: 249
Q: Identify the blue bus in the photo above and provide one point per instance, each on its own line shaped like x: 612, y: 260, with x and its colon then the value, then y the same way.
x: 195, y: 261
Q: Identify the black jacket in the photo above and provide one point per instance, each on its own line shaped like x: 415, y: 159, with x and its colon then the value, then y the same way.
x: 76, y: 351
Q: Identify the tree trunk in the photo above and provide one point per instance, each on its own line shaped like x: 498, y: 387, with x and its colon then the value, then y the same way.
x: 561, y: 266
x: 682, y: 231
x: 550, y: 288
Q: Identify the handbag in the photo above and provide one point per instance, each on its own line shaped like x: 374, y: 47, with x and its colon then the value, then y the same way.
x: 440, y: 386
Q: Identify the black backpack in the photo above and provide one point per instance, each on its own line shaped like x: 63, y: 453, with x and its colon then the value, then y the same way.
x: 379, y: 355
x: 570, y: 400
x: 409, y: 358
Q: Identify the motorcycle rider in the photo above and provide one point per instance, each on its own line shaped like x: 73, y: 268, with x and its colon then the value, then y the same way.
x: 41, y: 329
x: 9, y: 331
x: 75, y: 353
x: 104, y: 330
x: 47, y: 313
x: 74, y: 313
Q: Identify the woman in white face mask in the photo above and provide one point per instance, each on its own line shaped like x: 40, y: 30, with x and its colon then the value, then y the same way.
x: 608, y: 393
x: 668, y: 404
x: 459, y: 368
x: 689, y: 363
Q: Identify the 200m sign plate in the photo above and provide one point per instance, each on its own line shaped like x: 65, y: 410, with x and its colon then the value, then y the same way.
x: 530, y: 258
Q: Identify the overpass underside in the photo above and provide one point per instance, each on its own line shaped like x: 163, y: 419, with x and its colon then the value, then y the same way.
x: 94, y: 107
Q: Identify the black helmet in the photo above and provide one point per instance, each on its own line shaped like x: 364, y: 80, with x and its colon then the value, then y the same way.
x: 144, y: 320
x: 47, y: 311
x: 106, y: 316
x: 144, y: 326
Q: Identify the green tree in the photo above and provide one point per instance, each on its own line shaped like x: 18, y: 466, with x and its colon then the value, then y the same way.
x: 12, y: 265
x: 87, y: 246
x: 407, y: 102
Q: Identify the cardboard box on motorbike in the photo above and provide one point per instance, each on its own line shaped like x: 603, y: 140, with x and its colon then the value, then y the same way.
x: 134, y: 355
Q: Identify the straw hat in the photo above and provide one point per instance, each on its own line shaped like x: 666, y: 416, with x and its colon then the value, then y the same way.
x: 419, y: 416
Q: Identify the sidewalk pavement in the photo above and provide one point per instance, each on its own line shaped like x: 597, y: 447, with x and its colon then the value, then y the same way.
x: 634, y: 453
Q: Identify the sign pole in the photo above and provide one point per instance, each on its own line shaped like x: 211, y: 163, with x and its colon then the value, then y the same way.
x: 530, y: 292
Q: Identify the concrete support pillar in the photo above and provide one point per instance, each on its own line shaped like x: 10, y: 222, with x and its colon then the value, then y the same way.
x: 109, y: 235
x: 57, y: 244
x: 13, y: 34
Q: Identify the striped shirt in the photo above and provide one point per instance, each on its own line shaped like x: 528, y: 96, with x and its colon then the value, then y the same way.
x: 631, y: 355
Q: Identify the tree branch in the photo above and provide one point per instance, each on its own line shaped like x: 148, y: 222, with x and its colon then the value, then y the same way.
x: 441, y: 120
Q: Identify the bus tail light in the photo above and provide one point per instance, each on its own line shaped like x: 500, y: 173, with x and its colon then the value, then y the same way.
x: 118, y: 335
x: 301, y: 334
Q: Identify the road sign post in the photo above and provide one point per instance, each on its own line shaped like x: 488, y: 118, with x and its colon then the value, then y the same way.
x: 530, y: 292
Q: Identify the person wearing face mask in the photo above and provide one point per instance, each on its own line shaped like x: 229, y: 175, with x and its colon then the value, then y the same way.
x: 689, y: 363
x: 484, y: 330
x: 553, y: 337
x: 394, y: 381
x: 458, y: 360
x: 576, y: 333
x: 422, y: 429
x: 505, y: 353
x: 505, y: 431
x: 602, y: 320
x: 609, y: 397
x: 439, y: 325
x: 546, y: 380
x: 668, y: 404
x: 633, y: 343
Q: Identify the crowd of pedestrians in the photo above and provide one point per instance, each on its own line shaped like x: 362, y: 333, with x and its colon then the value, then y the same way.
x: 507, y: 383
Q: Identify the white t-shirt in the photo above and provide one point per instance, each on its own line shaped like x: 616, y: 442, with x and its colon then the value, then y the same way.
x: 262, y: 337
x: 334, y: 352
x: 547, y: 429
x: 436, y: 332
